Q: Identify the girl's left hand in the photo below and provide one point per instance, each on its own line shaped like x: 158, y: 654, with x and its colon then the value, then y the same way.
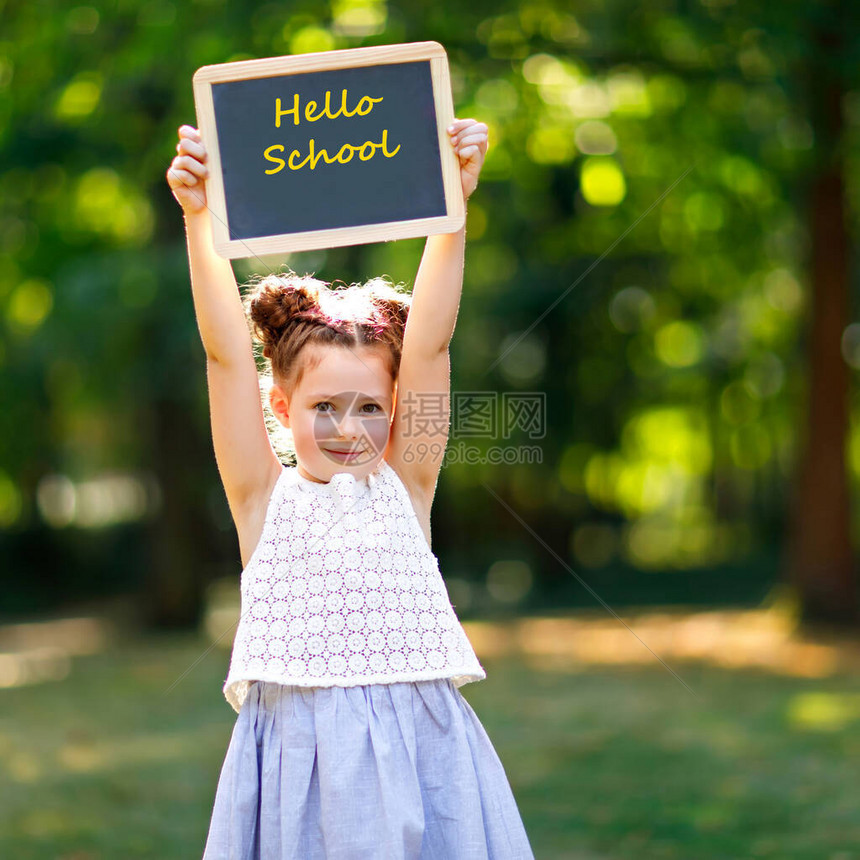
x: 470, y: 142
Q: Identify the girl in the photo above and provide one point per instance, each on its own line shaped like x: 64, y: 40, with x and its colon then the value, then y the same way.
x: 352, y: 739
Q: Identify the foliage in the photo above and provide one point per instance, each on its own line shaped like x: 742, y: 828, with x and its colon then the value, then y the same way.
x: 637, y: 252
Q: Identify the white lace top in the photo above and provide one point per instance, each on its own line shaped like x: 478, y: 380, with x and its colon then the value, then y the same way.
x: 343, y: 589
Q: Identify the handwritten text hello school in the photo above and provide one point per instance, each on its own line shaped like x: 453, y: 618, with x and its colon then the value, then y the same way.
x: 313, y: 112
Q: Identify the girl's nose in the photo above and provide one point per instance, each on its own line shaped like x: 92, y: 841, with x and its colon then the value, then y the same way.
x: 349, y: 426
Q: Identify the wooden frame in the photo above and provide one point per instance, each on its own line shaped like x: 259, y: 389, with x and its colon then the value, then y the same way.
x: 231, y: 248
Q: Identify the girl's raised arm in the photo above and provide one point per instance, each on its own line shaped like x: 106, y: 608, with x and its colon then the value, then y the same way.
x: 246, y: 460
x: 419, y: 430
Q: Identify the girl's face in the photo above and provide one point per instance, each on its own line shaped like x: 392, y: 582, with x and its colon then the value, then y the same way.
x: 340, y: 412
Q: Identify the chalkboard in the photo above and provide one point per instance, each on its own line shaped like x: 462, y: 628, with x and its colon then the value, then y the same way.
x: 327, y: 149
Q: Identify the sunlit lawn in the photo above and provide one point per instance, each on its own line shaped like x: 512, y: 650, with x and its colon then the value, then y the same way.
x: 605, y: 761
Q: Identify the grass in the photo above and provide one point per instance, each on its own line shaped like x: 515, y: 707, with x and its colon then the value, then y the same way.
x: 605, y: 761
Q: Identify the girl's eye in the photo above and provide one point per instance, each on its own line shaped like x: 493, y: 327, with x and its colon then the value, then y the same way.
x: 373, y: 407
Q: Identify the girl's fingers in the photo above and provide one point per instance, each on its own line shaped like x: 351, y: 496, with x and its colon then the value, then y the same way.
x: 177, y: 178
x: 186, y: 146
x: 459, y: 125
x: 191, y: 164
x: 189, y: 131
x: 471, y: 138
x: 479, y: 140
x: 468, y: 126
x: 190, y: 142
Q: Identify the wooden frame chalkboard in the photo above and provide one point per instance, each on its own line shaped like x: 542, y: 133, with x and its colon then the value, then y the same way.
x: 328, y: 149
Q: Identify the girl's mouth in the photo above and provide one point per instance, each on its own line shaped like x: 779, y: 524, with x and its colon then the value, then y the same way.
x: 343, y: 456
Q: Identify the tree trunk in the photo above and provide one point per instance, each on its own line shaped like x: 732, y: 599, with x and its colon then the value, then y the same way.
x: 820, y: 557
x: 182, y: 534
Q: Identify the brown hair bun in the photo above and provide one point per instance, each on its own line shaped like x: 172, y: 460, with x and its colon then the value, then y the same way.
x: 278, y: 302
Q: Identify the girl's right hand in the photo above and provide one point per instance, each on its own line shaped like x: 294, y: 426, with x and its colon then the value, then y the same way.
x: 187, y: 173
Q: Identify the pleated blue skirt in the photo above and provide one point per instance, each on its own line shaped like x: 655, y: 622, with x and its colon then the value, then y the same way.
x: 398, y: 771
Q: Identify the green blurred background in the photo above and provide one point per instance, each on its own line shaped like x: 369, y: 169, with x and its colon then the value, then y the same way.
x: 661, y: 251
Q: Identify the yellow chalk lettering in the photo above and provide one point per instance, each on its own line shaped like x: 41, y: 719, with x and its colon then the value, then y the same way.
x: 310, y: 107
x: 363, y: 109
x: 274, y: 159
x: 316, y: 157
x: 326, y: 111
x: 314, y: 112
x: 366, y: 151
x: 343, y: 108
x: 294, y: 153
x: 350, y: 150
x: 294, y: 110
x: 384, y: 145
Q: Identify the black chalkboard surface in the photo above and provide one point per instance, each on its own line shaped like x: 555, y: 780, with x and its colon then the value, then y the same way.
x: 334, y: 148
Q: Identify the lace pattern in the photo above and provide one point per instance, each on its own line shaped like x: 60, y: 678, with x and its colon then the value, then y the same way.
x: 343, y: 589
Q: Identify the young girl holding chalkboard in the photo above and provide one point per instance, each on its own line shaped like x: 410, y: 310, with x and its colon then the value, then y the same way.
x: 352, y: 738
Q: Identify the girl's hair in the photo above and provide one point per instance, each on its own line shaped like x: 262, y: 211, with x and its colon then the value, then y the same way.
x: 287, y: 313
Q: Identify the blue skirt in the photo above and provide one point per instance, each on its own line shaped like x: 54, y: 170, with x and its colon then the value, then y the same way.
x: 399, y: 771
